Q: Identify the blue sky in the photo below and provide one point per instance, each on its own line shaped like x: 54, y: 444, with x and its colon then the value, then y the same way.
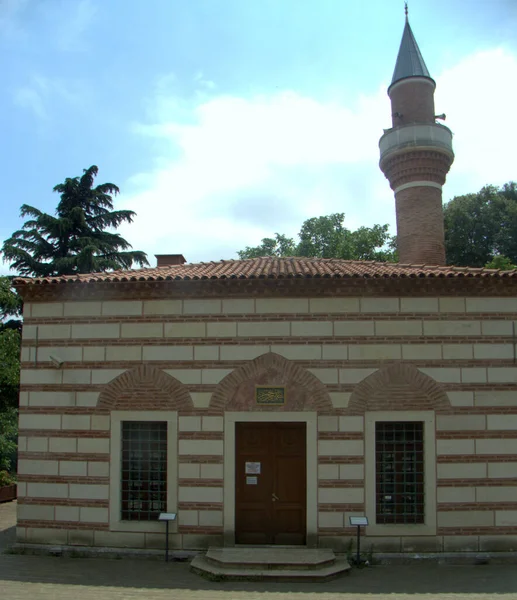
x: 224, y: 121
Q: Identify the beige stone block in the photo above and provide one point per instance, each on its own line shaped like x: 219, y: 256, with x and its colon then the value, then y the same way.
x: 461, y: 470
x: 46, y: 535
x: 298, y: 351
x: 39, y: 421
x: 502, y: 422
x: 332, y: 520
x: 460, y: 543
x: 82, y: 309
x: 29, y: 332
x: 502, y: 375
x: 461, y: 398
x: 93, y: 445
x: 210, y: 518
x: 96, y: 331
x: 311, y: 328
x: 188, y: 376
x: 212, y: 471
x: 328, y: 424
x: 374, y: 351
x: 36, y: 512
x: 354, y: 375
x: 100, y: 422
x: 119, y: 539
x: 452, y: 328
x: 117, y: 353
x: 142, y: 330
x: 87, y: 398
x: 89, y: 491
x: 506, y: 518
x: 242, y: 352
x: 282, y: 305
x: 200, y: 494
x: 66, y: 354
x: 490, y: 305
x: 98, y: 469
x: 340, y: 447
x: 185, y: 330
x: 502, y: 470
x: 454, y: 447
x: 221, y: 330
x: 354, y: 328
x: 340, y: 399
x: 355, y: 424
x: 457, y: 351
x: 325, y: 375
x: 443, y: 375
x: 79, y: 376
x: 37, y: 444
x: 335, y: 352
x: 493, y: 351
x: 417, y: 544
x: 118, y: 308
x: 212, y: 424
x: 67, y: 513
x: 347, y: 472
x: 47, y: 490
x: 213, y: 376
x: 201, y: 399
x: 76, y: 422
x: 168, y: 353
x: 264, y: 329
x: 21, y: 534
x: 340, y: 495
x: 419, y: 305
x: 496, y: 494
x: 41, y: 376
x: 37, y: 467
x: 201, y: 447
x: 398, y: 328
x: 456, y: 494
x: 206, y: 353
x: 188, y: 518
x: 162, y: 307
x: 460, y: 422
x: 334, y: 305
x: 189, y: 423
x: 237, y: 306
x: 93, y: 514
x: 498, y: 543
x: 496, y: 446
x: 466, y: 518
x: 202, y: 307
x: 62, y: 445
x: 188, y: 471
x: 380, y: 305
x: 94, y: 353
x: 26, y: 354
x: 473, y: 375
x: 106, y: 375
x: 452, y: 305
x: 497, y: 328
x: 22, y: 443
x: 80, y: 537
x: 193, y: 541
x: 421, y: 351
x: 328, y: 471
x: 495, y: 398
x: 73, y: 468
x: 47, y: 309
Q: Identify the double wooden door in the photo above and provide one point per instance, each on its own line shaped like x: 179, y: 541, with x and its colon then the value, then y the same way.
x: 270, y: 483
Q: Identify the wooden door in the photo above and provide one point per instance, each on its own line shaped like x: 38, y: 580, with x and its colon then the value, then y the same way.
x: 270, y: 503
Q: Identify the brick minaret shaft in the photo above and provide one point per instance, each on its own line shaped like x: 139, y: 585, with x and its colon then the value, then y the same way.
x: 416, y: 155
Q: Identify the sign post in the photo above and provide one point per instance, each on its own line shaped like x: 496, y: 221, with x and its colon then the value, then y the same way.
x: 358, y: 522
x: 167, y: 517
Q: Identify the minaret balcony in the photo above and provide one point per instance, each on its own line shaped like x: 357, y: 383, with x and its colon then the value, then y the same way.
x: 432, y: 136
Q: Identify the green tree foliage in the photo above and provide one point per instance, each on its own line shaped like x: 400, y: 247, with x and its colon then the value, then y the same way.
x: 327, y: 237
x: 8, y: 439
x: 78, y: 239
x: 481, y: 227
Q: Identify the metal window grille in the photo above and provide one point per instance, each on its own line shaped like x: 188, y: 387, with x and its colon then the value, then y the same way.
x: 144, y: 470
x: 399, y: 458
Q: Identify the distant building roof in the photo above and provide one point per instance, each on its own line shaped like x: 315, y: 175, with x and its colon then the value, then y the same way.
x: 410, y: 62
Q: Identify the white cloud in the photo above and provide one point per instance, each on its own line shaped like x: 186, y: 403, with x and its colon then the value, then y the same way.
x: 242, y: 168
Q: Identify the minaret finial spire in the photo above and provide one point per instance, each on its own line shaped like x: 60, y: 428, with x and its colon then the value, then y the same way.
x: 406, y: 11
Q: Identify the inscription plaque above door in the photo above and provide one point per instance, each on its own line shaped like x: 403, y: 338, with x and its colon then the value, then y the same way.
x: 270, y: 394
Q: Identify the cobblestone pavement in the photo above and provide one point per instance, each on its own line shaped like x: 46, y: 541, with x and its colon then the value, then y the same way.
x: 43, y: 578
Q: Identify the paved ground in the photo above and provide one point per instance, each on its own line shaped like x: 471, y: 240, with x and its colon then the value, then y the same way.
x: 45, y: 578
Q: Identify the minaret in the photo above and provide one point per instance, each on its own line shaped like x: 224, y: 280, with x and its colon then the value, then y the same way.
x: 416, y: 155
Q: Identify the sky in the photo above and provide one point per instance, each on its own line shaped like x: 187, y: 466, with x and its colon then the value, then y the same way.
x: 225, y: 121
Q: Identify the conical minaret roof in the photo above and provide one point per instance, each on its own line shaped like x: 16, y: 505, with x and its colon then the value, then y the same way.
x: 410, y: 62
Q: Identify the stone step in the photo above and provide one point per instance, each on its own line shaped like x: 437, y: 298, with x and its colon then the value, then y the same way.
x: 253, y: 557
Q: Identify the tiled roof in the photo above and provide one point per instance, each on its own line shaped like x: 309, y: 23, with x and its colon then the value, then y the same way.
x: 273, y: 268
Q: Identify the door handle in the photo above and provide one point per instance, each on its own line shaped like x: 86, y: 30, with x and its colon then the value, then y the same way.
x: 275, y: 497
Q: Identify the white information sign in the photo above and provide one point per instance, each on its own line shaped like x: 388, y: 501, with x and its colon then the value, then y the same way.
x: 167, y: 517
x: 361, y: 521
x: 251, y: 480
x: 252, y: 468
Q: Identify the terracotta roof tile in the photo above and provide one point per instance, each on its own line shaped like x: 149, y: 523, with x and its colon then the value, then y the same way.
x: 272, y: 268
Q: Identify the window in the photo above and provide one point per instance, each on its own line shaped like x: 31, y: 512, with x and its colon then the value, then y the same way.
x: 144, y: 470
x: 399, y: 469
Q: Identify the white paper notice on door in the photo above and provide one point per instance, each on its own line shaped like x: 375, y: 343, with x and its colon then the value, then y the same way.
x: 251, y: 480
x: 252, y: 468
